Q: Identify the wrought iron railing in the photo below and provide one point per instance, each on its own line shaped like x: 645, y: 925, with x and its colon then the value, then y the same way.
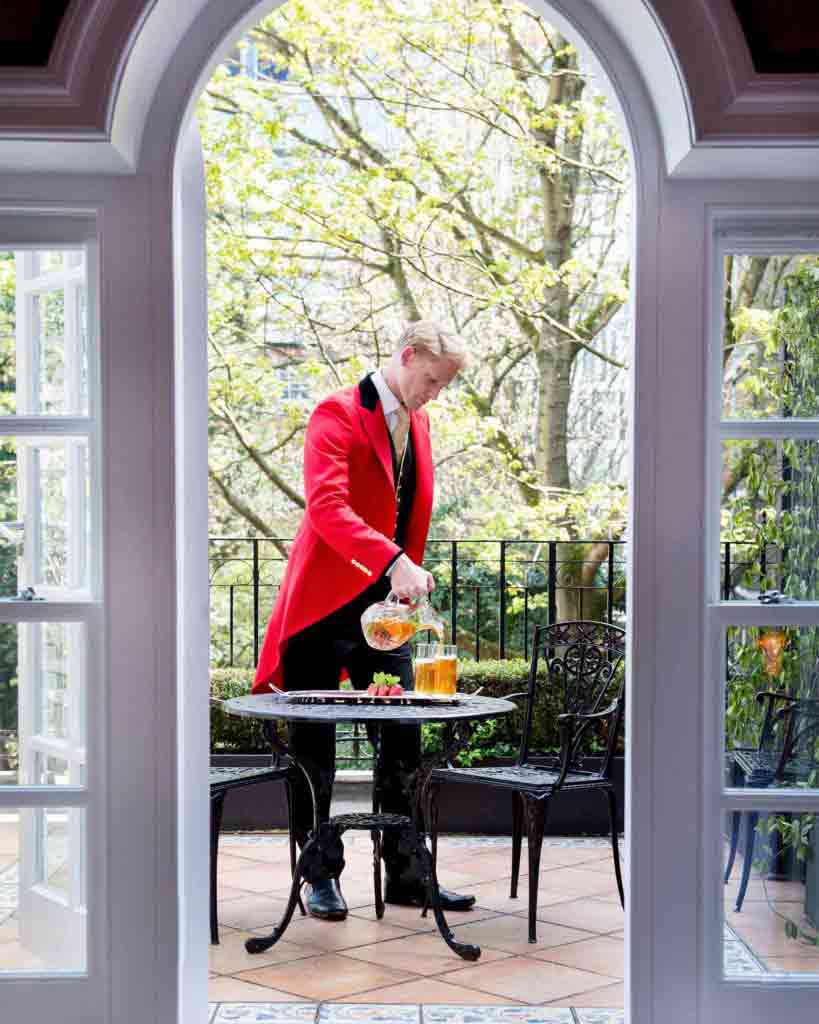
x: 492, y: 592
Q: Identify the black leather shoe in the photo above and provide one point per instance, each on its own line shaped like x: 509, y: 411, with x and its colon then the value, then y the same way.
x: 324, y: 900
x: 414, y: 895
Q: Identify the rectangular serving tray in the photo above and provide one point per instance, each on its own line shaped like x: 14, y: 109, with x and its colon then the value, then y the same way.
x: 359, y: 697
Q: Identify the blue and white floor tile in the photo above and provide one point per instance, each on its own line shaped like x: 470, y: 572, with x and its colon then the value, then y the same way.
x: 9, y: 892
x: 738, y: 959
x: 367, y: 1013
x: 599, y: 1016
x: 265, y: 1013
x: 370, y: 1013
x: 495, y: 1015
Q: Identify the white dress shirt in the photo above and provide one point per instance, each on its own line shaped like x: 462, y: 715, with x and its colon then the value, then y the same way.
x: 389, y: 403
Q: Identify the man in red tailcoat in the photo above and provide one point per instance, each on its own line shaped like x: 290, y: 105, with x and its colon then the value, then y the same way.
x: 368, y: 480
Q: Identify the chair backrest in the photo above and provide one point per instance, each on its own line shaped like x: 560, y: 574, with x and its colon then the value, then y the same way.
x: 798, y: 762
x: 585, y: 673
x: 779, y: 721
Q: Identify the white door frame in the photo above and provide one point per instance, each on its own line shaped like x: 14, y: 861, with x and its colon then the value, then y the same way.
x: 170, y: 120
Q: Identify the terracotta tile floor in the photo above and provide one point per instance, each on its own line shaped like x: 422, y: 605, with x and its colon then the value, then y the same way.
x: 577, y: 960
x: 401, y: 961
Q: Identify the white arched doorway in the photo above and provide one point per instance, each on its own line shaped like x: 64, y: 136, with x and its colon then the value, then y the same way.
x: 139, y: 179
x: 190, y: 213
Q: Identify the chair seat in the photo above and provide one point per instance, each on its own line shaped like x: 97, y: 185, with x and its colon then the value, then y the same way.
x: 222, y: 779
x: 759, y: 766
x: 513, y: 776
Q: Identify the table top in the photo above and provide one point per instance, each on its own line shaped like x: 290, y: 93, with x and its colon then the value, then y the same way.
x: 268, y: 705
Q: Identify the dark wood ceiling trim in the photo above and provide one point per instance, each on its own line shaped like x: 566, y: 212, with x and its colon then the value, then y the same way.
x: 782, y: 35
x: 28, y: 29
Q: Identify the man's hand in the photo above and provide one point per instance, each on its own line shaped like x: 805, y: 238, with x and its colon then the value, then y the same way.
x: 409, y: 580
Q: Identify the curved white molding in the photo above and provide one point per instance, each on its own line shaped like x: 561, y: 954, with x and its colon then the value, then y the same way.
x: 716, y: 115
x: 111, y: 55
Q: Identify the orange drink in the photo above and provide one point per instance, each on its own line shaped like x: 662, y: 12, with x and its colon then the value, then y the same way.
x: 425, y: 669
x: 446, y: 669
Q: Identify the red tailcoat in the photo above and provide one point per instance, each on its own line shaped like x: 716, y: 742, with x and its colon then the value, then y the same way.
x: 344, y: 542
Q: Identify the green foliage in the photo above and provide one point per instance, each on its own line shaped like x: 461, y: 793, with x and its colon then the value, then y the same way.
x: 443, y: 159
x: 228, y: 733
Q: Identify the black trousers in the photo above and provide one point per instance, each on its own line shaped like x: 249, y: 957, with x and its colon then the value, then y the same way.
x: 313, y: 660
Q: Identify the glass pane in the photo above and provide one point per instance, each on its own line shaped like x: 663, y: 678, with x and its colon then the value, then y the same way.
x: 49, y: 261
x: 48, y: 480
x: 775, y: 928
x: 772, y: 707
x: 51, y: 771
x: 42, y: 868
x: 770, y: 518
x: 81, y: 370
x: 42, y: 704
x: 43, y: 333
x: 49, y: 351
x: 770, y: 337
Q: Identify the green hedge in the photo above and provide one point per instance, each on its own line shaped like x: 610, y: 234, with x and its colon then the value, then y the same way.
x: 495, y: 738
x: 228, y: 733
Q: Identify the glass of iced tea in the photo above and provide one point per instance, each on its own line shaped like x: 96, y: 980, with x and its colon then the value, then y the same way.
x: 446, y: 669
x: 425, y: 674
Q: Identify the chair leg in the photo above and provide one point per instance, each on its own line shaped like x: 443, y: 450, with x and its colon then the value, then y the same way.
x: 517, y: 840
x: 535, y: 814
x: 615, y: 846
x: 752, y: 817
x: 375, y: 834
x: 292, y: 840
x: 732, y: 853
x: 216, y: 804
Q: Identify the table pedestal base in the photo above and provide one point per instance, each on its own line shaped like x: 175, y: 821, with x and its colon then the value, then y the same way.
x: 323, y: 857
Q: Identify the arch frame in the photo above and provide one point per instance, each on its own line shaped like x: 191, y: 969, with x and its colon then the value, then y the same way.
x: 169, y: 154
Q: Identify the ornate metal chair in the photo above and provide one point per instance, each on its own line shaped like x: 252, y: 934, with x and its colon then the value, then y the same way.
x: 584, y: 662
x: 222, y: 781
x: 785, y: 755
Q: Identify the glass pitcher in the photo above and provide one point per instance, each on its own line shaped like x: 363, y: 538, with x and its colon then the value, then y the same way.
x: 389, y: 623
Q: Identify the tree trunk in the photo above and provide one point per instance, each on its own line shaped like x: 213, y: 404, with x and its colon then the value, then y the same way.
x: 554, y: 366
x: 580, y: 564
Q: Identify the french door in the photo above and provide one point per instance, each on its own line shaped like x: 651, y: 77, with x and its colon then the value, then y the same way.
x: 51, y: 637
x: 758, y: 948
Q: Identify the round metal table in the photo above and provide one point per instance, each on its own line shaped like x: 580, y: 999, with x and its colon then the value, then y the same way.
x: 322, y: 853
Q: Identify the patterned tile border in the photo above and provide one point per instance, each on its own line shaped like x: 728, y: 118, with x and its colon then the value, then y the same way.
x: 595, y: 1016
x: 265, y: 1013
x: 495, y: 1015
x: 378, y: 1013
x: 367, y: 1013
x: 739, y: 960
x: 9, y: 892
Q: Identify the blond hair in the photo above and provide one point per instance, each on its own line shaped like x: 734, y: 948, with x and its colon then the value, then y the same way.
x: 431, y: 337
